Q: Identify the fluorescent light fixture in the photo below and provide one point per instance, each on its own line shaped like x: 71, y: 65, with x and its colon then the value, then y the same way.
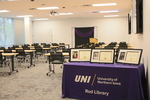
x: 104, y: 4
x: 25, y: 16
x: 42, y: 19
x: 46, y: 8
x: 65, y: 13
x: 8, y: 0
x: 111, y: 11
x: 2, y: 11
x: 12, y: 0
x: 111, y: 16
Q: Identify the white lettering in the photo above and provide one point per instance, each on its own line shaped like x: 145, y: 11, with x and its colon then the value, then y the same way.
x: 84, y: 79
x: 97, y: 92
x: 77, y: 78
x: 88, y: 91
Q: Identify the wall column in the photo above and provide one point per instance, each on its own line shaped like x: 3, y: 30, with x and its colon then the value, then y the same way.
x: 28, y: 31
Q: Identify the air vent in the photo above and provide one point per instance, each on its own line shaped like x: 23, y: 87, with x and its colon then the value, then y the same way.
x: 86, y: 5
x: 95, y: 12
x: 32, y: 8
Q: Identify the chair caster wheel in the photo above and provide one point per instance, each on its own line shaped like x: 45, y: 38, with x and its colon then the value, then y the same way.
x: 17, y: 71
x: 9, y: 73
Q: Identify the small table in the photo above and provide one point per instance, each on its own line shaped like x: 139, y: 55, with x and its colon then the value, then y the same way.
x: 12, y: 60
x: 89, y: 81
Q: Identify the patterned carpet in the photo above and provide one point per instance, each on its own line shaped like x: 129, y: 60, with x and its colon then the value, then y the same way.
x: 32, y: 83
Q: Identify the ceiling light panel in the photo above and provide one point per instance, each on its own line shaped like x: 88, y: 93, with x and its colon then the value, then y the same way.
x: 25, y: 16
x: 104, y: 4
x: 111, y: 11
x: 46, y: 8
x: 2, y: 11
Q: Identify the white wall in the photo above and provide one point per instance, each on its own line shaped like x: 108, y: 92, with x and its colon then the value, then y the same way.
x: 19, y: 36
x: 146, y: 40
x: 107, y: 30
x: 42, y: 32
x: 143, y: 40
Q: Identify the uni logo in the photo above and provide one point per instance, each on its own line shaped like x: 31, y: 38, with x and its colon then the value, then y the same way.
x: 82, y: 79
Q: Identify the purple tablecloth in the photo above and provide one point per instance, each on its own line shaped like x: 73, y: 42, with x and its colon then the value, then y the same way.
x: 86, y: 81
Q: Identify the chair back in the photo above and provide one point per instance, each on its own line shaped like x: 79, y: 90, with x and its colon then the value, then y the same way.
x: 20, y: 52
x: 46, y: 46
x: 1, y: 57
x: 26, y: 48
x: 2, y: 48
x: 7, y: 51
x: 57, y: 58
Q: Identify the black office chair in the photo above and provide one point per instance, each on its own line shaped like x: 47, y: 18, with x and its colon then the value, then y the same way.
x: 3, y: 63
x: 66, y: 58
x: 55, y: 58
x: 38, y: 52
x: 21, y: 57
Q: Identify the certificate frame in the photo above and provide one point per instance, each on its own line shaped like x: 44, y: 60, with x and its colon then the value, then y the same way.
x: 80, y: 55
x: 129, y: 56
x: 102, y: 56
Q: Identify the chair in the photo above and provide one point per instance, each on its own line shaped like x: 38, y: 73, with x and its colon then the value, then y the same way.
x: 62, y: 45
x: 11, y: 48
x: 8, y: 58
x: 38, y: 52
x: 55, y: 58
x: 7, y: 51
x: 3, y: 63
x: 21, y: 57
x: 66, y: 57
x: 15, y: 46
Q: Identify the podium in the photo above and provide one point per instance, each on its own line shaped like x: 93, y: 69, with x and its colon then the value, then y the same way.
x: 93, y: 40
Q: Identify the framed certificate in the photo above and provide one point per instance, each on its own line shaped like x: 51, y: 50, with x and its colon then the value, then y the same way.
x: 80, y: 55
x: 129, y: 56
x: 102, y: 56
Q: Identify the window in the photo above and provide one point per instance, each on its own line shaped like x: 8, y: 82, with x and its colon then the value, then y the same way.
x: 6, y: 32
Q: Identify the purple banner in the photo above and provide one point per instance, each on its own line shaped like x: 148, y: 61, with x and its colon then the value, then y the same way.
x: 86, y: 34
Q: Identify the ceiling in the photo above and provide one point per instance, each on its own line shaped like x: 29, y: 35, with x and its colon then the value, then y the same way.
x: 79, y: 8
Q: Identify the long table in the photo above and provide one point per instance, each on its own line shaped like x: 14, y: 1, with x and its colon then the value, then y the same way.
x: 89, y: 81
x: 27, y: 51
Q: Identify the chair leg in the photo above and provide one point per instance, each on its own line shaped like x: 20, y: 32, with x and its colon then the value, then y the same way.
x: 3, y: 68
x: 50, y: 70
x: 53, y: 68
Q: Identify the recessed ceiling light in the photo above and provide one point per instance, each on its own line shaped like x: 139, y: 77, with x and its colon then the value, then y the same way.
x: 111, y: 11
x: 25, y: 16
x: 46, y: 8
x: 42, y: 19
x: 65, y: 13
x: 104, y: 4
x: 111, y: 16
x: 8, y: 0
x: 1, y: 11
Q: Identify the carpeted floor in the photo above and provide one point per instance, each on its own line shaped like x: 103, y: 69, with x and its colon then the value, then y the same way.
x: 32, y: 83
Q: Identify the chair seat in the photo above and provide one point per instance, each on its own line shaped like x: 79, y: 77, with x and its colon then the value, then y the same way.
x: 57, y: 62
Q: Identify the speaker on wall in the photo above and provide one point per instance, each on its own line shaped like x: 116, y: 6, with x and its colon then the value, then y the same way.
x: 139, y: 16
x: 129, y: 24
